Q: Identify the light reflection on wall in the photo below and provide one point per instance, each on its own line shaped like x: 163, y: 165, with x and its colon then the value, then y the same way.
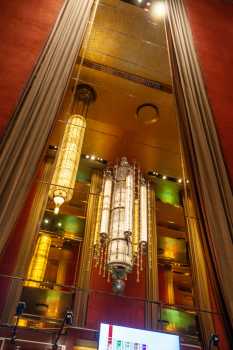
x: 39, y: 261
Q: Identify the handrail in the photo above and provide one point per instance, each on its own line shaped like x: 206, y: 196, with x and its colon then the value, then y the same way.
x: 74, y: 289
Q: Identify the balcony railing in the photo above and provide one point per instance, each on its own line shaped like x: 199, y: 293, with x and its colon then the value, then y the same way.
x: 47, y: 304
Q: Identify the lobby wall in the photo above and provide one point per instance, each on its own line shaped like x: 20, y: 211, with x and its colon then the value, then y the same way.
x: 212, y: 30
x: 24, y: 29
x: 128, y: 310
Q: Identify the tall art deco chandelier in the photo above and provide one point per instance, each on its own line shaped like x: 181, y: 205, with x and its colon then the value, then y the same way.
x: 123, y: 229
x: 64, y: 177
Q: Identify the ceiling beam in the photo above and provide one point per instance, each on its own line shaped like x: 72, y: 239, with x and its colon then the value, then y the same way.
x: 153, y: 84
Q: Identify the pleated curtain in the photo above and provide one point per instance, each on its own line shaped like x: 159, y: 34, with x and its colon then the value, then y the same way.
x: 199, y: 271
x: 202, y: 145
x: 152, y: 312
x: 29, y: 240
x: 25, y: 138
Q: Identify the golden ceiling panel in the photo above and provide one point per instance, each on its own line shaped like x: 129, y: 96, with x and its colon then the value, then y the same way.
x: 127, y: 38
x: 112, y: 123
x: 135, y: 44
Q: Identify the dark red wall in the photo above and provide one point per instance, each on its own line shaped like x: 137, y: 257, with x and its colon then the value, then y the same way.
x: 212, y: 29
x: 24, y: 29
x: 125, y: 311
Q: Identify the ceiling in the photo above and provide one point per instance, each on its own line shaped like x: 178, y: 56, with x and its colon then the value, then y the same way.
x: 126, y: 39
x: 112, y: 127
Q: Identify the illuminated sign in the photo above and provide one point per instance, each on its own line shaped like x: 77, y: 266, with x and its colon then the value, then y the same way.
x: 124, y: 338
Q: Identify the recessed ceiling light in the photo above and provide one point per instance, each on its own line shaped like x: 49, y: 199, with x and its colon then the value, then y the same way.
x: 92, y: 157
x: 87, y: 156
x: 158, y: 9
x: 180, y: 180
x: 164, y: 177
x: 147, y: 113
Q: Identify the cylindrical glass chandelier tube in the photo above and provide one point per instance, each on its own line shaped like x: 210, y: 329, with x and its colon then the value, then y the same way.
x: 105, y: 217
x: 64, y: 177
x: 98, y: 220
x: 120, y: 247
x: 129, y: 197
x: 136, y: 226
x: 143, y: 212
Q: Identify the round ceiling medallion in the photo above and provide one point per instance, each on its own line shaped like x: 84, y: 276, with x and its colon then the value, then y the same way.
x: 147, y: 113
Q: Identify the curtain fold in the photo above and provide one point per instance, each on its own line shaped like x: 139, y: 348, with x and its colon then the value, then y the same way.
x: 29, y: 240
x: 25, y: 138
x: 199, y: 271
x: 202, y: 145
x: 152, y: 308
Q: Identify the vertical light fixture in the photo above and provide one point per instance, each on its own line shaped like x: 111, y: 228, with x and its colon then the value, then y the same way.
x: 64, y: 177
x: 124, y: 226
x: 129, y: 201
x: 120, y: 254
x: 106, y: 206
x: 39, y: 261
x: 143, y: 212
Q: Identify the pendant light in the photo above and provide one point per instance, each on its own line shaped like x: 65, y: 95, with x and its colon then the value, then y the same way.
x: 123, y: 233
x: 64, y: 177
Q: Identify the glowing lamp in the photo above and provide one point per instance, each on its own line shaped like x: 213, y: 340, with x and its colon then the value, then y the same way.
x: 124, y: 224
x: 63, y: 181
x: 143, y: 212
x: 159, y: 9
x: 106, y: 206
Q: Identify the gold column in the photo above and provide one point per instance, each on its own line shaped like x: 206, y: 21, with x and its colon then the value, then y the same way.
x: 83, y: 282
x: 30, y: 235
x: 39, y: 261
x: 168, y: 274
x: 152, y: 310
x: 64, y: 263
x: 199, y: 271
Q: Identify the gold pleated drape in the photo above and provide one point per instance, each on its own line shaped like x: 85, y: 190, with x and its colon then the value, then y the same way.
x: 28, y: 242
x: 201, y: 144
x: 152, y: 308
x: 199, y: 271
x: 30, y: 125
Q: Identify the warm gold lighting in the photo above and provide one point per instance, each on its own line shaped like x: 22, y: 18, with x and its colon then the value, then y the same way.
x: 22, y: 322
x: 123, y: 233
x: 158, y: 9
x: 143, y: 212
x: 98, y: 220
x: 38, y: 264
x: 67, y: 164
x: 136, y: 228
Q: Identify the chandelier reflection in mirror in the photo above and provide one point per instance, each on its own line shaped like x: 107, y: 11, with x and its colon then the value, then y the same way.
x: 123, y: 223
